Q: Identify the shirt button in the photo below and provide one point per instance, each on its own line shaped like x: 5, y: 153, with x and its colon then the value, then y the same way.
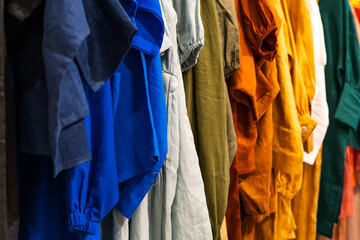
x: 303, y: 128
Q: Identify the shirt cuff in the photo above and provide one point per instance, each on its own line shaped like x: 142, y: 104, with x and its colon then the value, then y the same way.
x: 307, y: 125
x: 348, y: 107
x: 77, y: 222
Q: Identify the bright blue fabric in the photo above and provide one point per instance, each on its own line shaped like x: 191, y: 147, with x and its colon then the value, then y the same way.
x: 42, y: 200
x: 92, y: 187
x: 140, y: 117
x: 78, y: 198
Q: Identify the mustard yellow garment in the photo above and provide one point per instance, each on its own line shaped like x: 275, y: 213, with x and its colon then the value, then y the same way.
x: 301, y: 60
x: 305, y: 202
x: 292, y: 122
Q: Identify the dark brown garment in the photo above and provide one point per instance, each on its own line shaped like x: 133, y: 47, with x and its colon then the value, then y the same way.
x: 229, y: 32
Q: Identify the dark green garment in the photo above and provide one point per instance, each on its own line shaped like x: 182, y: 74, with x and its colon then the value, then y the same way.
x: 206, y: 104
x: 229, y: 32
x: 342, y: 76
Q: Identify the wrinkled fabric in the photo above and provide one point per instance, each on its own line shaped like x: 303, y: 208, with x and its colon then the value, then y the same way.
x: 287, y: 143
x: 347, y: 200
x: 342, y: 84
x: 175, y: 207
x: 21, y: 9
x: 305, y: 203
x: 85, y: 193
x: 229, y: 33
x: 290, y: 170
x: 319, y: 108
x: 252, y: 90
x: 206, y: 105
x: 100, y: 56
x: 66, y: 98
x: 190, y: 32
x: 97, y: 62
x: 300, y: 18
x: 92, y: 189
x: 138, y: 81
x: 301, y: 60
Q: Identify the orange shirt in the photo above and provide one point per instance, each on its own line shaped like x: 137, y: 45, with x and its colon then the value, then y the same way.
x: 251, y: 94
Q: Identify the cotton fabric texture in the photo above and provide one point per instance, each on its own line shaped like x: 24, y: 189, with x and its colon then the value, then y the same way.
x: 319, y: 107
x: 229, y: 33
x: 139, y: 164
x: 305, y: 203
x: 175, y: 207
x: 252, y: 90
x: 342, y: 80
x: 206, y: 104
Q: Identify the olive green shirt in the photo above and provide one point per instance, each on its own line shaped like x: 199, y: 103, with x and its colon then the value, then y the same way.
x: 206, y: 104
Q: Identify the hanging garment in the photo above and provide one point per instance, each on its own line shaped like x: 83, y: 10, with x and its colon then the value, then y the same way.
x: 347, y: 200
x: 319, y: 107
x: 84, y: 194
x: 97, y: 62
x: 341, y: 74
x: 190, y: 32
x: 290, y: 174
x: 43, y: 200
x: 229, y: 33
x: 139, y: 163
x: 287, y: 143
x: 175, y: 207
x: 206, y: 104
x: 250, y: 185
x: 300, y: 20
x: 305, y: 203
x: 66, y: 98
x: 230, y: 45
x: 91, y: 188
x: 309, y: 192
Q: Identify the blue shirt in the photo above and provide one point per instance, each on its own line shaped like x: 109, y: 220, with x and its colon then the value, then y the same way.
x: 140, y: 113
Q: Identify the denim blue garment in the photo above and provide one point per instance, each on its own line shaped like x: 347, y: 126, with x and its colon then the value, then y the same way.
x: 67, y: 103
x: 141, y: 110
x: 29, y: 76
x: 111, y: 35
x: 97, y: 54
x: 92, y: 188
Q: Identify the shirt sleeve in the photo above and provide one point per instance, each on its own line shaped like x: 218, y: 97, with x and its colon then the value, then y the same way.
x: 190, y: 32
x: 262, y: 24
x: 347, y: 110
